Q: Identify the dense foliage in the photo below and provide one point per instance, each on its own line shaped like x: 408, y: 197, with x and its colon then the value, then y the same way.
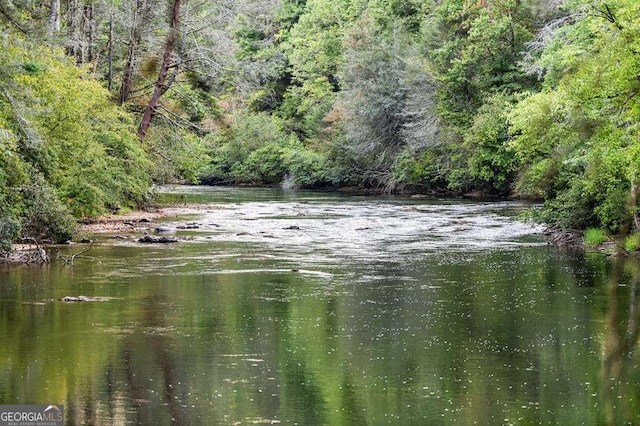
x: 528, y: 98
x: 67, y: 150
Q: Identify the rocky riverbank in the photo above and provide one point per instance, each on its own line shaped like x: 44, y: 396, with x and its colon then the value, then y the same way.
x: 139, y: 221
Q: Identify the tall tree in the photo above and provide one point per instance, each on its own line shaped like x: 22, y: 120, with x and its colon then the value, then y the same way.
x: 54, y: 18
x: 138, y: 23
x: 388, y: 99
x: 163, y: 82
x: 578, y: 137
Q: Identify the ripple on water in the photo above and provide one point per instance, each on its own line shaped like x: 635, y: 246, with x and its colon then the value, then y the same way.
x: 318, y: 235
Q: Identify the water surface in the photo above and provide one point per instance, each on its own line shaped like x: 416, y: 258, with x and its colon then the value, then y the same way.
x: 321, y: 309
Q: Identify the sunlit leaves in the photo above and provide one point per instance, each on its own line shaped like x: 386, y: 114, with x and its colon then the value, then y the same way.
x: 586, y: 119
x: 64, y: 143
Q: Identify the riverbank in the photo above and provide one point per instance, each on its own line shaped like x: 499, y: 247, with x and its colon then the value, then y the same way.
x: 134, y: 221
x: 140, y: 220
x: 137, y: 221
x: 26, y: 253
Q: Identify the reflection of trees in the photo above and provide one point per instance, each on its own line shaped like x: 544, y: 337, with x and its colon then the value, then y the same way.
x: 159, y: 344
x: 619, y: 346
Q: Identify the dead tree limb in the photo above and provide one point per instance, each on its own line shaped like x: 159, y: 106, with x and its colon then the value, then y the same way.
x: 39, y: 255
x: 70, y: 259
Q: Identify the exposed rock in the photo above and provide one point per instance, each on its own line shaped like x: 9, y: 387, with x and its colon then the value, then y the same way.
x: 293, y: 227
x: 75, y: 299
x: 83, y: 299
x: 163, y: 229
x: 160, y: 240
x: 565, y: 237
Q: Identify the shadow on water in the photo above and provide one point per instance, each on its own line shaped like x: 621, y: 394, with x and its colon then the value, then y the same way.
x: 372, y: 311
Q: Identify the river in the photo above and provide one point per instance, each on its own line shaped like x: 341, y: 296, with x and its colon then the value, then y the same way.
x: 310, y: 308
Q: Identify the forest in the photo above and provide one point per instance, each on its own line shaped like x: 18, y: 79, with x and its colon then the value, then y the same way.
x: 101, y: 100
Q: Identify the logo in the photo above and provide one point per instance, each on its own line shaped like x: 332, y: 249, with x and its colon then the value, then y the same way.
x: 31, y: 415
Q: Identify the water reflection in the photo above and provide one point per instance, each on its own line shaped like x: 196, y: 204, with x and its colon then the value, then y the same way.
x: 620, y: 355
x: 228, y: 330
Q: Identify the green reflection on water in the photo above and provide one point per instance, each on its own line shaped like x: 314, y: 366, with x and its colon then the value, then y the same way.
x: 220, y: 333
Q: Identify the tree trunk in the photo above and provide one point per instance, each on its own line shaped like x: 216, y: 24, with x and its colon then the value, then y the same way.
x: 110, y: 68
x: 161, y: 85
x: 54, y: 18
x: 127, y: 78
x: 89, y: 32
x: 74, y: 29
x: 126, y: 86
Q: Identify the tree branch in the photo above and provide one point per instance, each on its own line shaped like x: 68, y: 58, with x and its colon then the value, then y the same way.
x: 68, y: 260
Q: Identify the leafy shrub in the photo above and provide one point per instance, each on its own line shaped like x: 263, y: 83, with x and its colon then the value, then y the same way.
x: 256, y: 149
x: 538, y: 180
x: 632, y: 243
x: 230, y: 149
x: 595, y: 236
x: 44, y: 214
x: 491, y: 163
x: 571, y: 208
x: 175, y: 156
x: 264, y: 165
x: 308, y: 168
x: 69, y: 149
x: 420, y: 171
x: 9, y: 231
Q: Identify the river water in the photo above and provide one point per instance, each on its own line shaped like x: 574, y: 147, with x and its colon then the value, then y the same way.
x: 319, y: 309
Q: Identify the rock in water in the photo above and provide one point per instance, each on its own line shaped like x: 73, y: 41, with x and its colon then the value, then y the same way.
x: 160, y: 240
x: 83, y: 299
x: 75, y: 299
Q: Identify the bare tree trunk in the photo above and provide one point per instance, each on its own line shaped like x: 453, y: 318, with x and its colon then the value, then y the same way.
x: 162, y: 85
x: 89, y: 32
x: 110, y: 68
x: 81, y: 30
x: 134, y: 41
x: 54, y: 18
x: 74, y: 28
x: 127, y: 78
